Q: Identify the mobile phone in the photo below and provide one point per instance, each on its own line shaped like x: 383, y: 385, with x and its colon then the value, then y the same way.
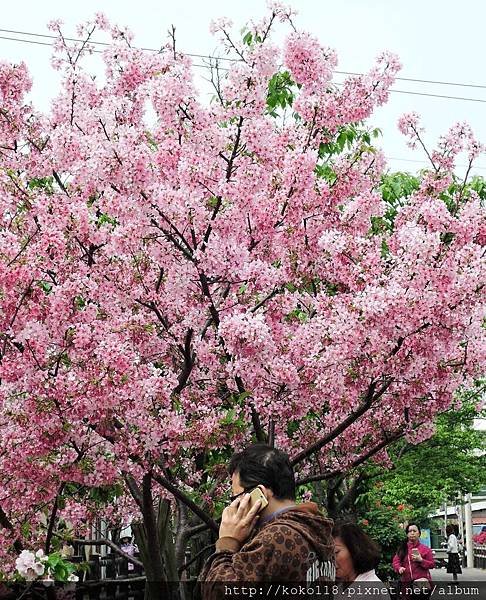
x: 257, y: 494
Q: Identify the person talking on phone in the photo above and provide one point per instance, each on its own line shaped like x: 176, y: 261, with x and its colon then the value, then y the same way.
x: 265, y: 536
x: 412, y: 562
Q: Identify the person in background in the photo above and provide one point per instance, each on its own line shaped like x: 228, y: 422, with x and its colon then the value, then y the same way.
x: 357, y: 557
x: 413, y: 562
x: 129, y: 548
x: 453, y: 559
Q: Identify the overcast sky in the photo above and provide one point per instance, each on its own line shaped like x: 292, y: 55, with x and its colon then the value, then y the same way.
x: 441, y: 40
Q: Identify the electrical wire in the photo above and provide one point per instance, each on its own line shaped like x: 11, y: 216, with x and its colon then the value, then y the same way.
x: 393, y: 91
x: 414, y: 80
x: 237, y: 60
x: 2, y: 37
x: 424, y: 162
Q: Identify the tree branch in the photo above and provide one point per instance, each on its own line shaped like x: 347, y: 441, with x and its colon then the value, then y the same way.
x: 371, y: 395
x: 134, y: 489
x: 6, y: 524
x: 331, y: 474
x: 272, y: 294
x: 52, y: 520
x: 112, y: 545
x: 60, y: 183
x: 186, y: 500
x: 189, y: 358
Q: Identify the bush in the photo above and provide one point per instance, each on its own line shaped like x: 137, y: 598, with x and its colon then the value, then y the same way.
x: 382, y: 523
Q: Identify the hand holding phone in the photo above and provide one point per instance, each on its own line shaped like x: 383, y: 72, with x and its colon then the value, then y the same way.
x: 240, y: 517
x: 256, y: 495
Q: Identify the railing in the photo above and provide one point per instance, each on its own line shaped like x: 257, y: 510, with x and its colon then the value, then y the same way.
x: 440, y: 557
x: 114, y: 567
x: 480, y: 557
x: 110, y: 577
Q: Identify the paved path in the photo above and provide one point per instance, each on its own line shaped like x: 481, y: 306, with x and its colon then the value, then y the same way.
x: 467, y: 575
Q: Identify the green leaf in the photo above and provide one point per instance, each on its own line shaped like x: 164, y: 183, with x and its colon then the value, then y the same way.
x: 54, y: 560
x: 45, y: 286
x: 327, y: 173
x: 104, y: 219
x: 79, y: 302
x: 42, y: 183
x: 280, y: 94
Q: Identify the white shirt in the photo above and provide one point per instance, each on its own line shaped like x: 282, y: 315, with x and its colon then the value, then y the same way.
x: 452, y: 544
x: 368, y: 576
x: 363, y: 582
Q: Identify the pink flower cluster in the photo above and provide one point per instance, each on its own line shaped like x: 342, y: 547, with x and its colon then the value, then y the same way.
x: 309, y: 63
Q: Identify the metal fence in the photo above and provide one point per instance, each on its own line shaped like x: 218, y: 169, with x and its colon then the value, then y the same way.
x: 480, y: 557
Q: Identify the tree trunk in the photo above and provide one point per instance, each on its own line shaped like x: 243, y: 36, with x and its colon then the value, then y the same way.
x: 156, y: 547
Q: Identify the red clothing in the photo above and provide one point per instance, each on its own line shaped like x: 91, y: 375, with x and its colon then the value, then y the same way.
x: 415, y: 569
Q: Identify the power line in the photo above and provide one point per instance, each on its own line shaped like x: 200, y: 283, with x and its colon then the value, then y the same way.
x: 206, y: 67
x: 393, y: 91
x: 414, y: 80
x: 424, y: 162
x: 433, y: 81
x: 69, y: 39
x: 2, y: 37
x: 438, y: 96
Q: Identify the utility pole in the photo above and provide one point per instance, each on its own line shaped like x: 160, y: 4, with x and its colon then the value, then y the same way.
x: 469, y: 533
x: 460, y: 515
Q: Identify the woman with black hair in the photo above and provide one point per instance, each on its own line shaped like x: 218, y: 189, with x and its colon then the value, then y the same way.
x: 412, y: 562
x: 453, y: 561
x: 357, y: 557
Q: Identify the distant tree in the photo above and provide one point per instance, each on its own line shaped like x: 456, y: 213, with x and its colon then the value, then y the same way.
x: 452, y: 461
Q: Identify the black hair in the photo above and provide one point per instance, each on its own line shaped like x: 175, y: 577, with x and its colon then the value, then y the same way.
x: 403, y: 549
x: 365, y: 552
x: 450, y: 529
x: 260, y: 464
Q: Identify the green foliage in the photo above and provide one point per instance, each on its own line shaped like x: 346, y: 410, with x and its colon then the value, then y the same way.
x: 382, y: 524
x: 452, y: 461
x: 395, y: 188
x: 80, y: 302
x: 151, y: 141
x: 42, y: 183
x: 478, y: 185
x: 297, y: 315
x: 104, y: 219
x: 348, y: 136
x: 45, y: 286
x: 326, y: 172
x: 234, y: 418
x: 458, y: 192
x: 59, y: 567
x: 250, y: 38
x: 281, y: 89
x: 292, y: 428
x: 449, y: 462
x: 102, y: 495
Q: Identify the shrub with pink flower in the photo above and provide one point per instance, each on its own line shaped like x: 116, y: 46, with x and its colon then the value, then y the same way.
x: 480, y: 538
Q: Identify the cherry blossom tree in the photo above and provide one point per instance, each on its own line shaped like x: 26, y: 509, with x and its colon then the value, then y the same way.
x: 178, y: 278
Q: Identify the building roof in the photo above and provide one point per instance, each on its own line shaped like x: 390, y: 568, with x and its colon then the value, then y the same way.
x: 451, y: 510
